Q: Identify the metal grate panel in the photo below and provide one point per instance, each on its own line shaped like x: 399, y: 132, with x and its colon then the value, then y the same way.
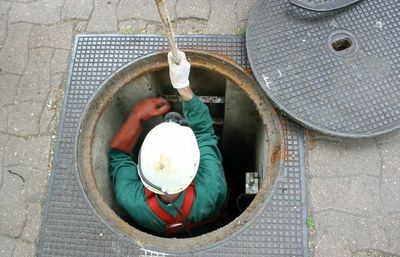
x: 71, y: 227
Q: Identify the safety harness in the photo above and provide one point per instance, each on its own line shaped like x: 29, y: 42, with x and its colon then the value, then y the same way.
x: 176, y: 224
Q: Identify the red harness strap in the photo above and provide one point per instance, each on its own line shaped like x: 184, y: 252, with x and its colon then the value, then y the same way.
x: 173, y: 224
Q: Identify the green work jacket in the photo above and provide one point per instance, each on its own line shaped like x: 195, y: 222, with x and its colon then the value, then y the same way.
x: 210, y: 183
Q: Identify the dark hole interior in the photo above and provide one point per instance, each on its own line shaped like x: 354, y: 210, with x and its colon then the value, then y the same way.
x: 342, y: 44
x: 242, y: 139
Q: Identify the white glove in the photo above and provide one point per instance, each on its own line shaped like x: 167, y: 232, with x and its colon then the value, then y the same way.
x: 179, y: 74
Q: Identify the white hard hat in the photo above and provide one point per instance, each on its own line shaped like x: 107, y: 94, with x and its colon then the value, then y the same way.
x: 169, y: 158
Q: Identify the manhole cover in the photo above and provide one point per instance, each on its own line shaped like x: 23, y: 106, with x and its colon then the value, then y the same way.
x: 335, y: 72
x: 322, y: 5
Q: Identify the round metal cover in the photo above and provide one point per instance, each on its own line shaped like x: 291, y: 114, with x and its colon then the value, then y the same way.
x: 323, y: 5
x: 336, y: 72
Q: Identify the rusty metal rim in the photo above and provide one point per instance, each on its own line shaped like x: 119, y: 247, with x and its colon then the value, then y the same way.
x: 102, y: 97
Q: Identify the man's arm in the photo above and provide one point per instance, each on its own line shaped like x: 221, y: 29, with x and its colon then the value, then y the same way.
x: 196, y: 112
x: 211, y: 188
x: 186, y: 93
x: 123, y: 173
x: 126, y: 138
x: 122, y: 168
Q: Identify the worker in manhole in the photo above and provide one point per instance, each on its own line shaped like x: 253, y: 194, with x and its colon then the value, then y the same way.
x: 178, y: 184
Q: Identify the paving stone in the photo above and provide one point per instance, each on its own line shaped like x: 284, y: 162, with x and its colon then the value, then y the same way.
x: 3, y: 142
x: 8, y: 88
x: 323, y: 157
x: 14, y: 54
x: 35, y: 183
x: 390, y: 151
x: 132, y: 26
x: 23, y: 118
x: 190, y: 26
x: 24, y: 1
x: 56, y: 36
x: 361, y: 156
x: 339, y: 234
x: 137, y: 9
x: 199, y: 9
x: 31, y: 230
x: 31, y: 152
x: 357, y: 195
x: 343, y: 158
x: 80, y: 27
x: 4, y: 7
x: 12, y: 205
x: 373, y: 253
x: 49, y: 121
x: 155, y: 27
x: 243, y: 9
x: 104, y: 18
x: 391, y: 229
x: 59, y: 61
x: 128, y: 9
x: 390, y: 191
x: 34, y: 84
x: 6, y: 246
x: 57, y: 82
x: 3, y: 119
x: 43, y: 12
x: 77, y: 9
x: 24, y: 249
x: 222, y: 18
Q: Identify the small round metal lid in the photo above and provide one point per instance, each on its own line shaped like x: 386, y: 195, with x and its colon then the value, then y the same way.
x: 336, y: 72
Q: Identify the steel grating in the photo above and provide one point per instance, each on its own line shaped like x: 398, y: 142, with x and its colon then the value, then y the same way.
x: 336, y: 72
x: 72, y: 227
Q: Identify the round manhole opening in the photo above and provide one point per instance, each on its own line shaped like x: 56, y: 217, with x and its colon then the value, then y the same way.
x: 250, y: 141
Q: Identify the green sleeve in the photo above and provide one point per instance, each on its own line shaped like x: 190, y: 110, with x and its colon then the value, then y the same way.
x: 210, y: 181
x: 123, y: 172
x: 199, y: 119
x: 129, y: 190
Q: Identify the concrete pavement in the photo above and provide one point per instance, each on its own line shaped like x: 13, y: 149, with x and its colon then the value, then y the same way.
x: 354, y: 195
x: 353, y: 185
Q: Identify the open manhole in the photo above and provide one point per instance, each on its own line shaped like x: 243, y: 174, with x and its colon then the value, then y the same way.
x: 244, y: 120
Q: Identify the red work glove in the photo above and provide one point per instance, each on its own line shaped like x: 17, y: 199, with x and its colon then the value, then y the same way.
x: 127, y: 136
x: 151, y: 107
